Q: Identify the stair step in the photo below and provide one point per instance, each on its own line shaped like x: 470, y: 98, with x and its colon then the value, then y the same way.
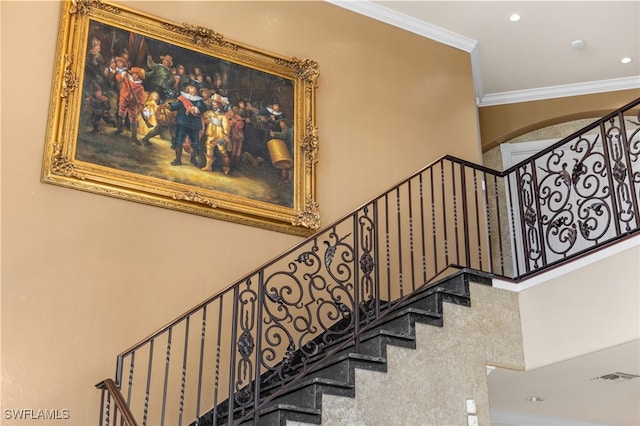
x: 278, y: 415
x: 309, y: 393
x: 343, y: 365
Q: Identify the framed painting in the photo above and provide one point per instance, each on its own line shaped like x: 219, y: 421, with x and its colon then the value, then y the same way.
x: 177, y: 116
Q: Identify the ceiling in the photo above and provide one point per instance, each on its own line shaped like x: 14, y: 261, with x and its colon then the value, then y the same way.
x: 533, y: 58
x: 530, y: 60
x: 573, y: 392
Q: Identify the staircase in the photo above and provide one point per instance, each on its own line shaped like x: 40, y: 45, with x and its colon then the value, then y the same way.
x: 302, y: 402
x: 274, y: 346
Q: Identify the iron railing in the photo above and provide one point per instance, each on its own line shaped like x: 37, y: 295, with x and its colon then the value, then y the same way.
x: 578, y: 195
x: 248, y: 343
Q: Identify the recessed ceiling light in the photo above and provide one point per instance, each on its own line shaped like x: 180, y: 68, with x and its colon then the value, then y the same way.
x: 535, y: 399
x: 514, y: 18
x: 577, y: 44
x: 625, y: 60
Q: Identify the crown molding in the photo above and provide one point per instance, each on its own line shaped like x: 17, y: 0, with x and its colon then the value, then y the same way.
x: 575, y: 89
x: 416, y: 26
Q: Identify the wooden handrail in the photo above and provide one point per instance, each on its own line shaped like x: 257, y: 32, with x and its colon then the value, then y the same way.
x: 110, y: 386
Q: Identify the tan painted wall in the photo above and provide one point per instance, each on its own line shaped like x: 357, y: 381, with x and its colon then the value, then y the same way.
x: 86, y: 276
x: 501, y: 123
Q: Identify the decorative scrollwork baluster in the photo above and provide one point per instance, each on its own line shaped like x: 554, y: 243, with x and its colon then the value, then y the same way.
x: 530, y: 216
x: 247, y: 308
x: 366, y: 234
x: 620, y: 173
x: 633, y: 152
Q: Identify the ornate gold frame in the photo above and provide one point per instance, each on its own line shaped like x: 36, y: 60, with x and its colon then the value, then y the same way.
x: 64, y: 166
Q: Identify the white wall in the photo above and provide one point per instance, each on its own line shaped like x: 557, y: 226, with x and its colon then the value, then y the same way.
x: 594, y: 307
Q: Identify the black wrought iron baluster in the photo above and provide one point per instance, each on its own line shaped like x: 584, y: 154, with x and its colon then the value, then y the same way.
x: 216, y: 382
x: 244, y: 394
x: 130, y: 384
x: 246, y: 301
x: 485, y: 184
x: 411, y: 248
x: 528, y: 215
x: 258, y: 351
x: 523, y: 219
x: 399, y: 218
x: 454, y: 197
x: 465, y: 216
x: 610, y: 177
x: 553, y: 193
x: 119, y: 370
x: 376, y: 258
x: 633, y: 178
x: 535, y: 191
x: 621, y: 172
x: 183, y: 377
x: 166, y: 378
x: 203, y: 331
x: 433, y: 223
x: 618, y: 171
x: 148, y: 388
x: 365, y: 239
x: 533, y: 219
x: 444, y: 215
x: 512, y: 216
x: 423, y: 235
x: 387, y: 244
x: 479, y: 220
x: 356, y: 287
x: 232, y: 355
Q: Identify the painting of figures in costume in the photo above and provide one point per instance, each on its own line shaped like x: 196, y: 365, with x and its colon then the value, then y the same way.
x: 177, y: 116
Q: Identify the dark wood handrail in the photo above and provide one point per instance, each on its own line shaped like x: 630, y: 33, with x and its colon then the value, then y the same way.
x: 630, y: 107
x: 110, y: 387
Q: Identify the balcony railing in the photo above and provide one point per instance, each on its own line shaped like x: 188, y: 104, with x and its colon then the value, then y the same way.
x: 578, y: 195
x: 248, y: 343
